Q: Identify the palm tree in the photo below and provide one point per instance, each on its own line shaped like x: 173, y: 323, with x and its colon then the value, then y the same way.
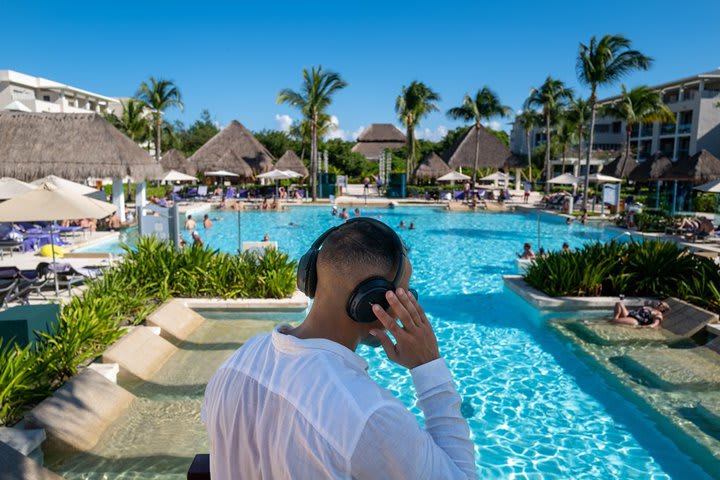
x: 159, y: 95
x: 564, y: 136
x: 640, y: 105
x: 132, y: 122
x: 551, y: 98
x: 415, y: 102
x: 302, y: 131
x: 577, y: 115
x: 529, y: 120
x: 601, y: 63
x: 313, y: 99
x: 484, y: 106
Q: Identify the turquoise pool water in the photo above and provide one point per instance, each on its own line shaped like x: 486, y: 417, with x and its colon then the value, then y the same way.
x: 534, y: 408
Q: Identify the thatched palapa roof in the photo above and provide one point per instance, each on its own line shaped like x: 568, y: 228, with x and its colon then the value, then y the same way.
x: 614, y: 167
x: 701, y: 167
x: 238, y: 139
x: 175, y: 160
x: 290, y: 161
x: 71, y: 145
x: 377, y: 138
x: 232, y: 163
x: 651, y: 169
x: 493, y: 153
x: 431, y: 167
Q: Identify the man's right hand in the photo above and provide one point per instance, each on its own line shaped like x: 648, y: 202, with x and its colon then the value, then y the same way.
x: 416, y: 342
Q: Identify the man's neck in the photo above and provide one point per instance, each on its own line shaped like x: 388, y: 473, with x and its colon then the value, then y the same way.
x: 317, y: 325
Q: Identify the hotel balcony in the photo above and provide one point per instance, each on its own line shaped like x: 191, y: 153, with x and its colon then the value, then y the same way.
x: 684, y: 128
x: 667, y: 129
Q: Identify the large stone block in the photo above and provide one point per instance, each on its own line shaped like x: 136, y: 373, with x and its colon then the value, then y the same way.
x: 140, y: 353
x: 78, y: 413
x: 175, y: 320
x: 670, y: 369
x: 14, y: 465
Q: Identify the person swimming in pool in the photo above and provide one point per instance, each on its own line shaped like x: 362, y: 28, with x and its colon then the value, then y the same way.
x: 646, y: 317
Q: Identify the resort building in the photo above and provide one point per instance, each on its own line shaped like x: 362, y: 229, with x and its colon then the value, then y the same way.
x: 694, y: 100
x: 25, y: 93
x: 377, y: 138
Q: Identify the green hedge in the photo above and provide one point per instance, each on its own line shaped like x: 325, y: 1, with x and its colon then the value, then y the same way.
x: 125, y: 295
x: 651, y: 268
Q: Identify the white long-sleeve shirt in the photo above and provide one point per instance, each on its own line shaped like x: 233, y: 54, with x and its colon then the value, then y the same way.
x: 283, y: 407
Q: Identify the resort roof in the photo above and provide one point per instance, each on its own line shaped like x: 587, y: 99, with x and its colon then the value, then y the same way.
x: 651, y: 169
x: 72, y: 145
x: 493, y: 153
x: 516, y: 161
x: 229, y: 162
x: 613, y: 168
x: 290, y: 161
x: 701, y: 167
x: 377, y: 138
x: 238, y: 139
x: 431, y: 167
x: 175, y: 160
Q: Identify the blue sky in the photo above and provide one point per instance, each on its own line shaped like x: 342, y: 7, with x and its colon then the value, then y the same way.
x: 232, y: 58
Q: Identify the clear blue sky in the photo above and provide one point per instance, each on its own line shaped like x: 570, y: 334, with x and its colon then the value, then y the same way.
x: 232, y: 58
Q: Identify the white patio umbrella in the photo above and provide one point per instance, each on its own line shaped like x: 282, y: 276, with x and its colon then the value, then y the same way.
x: 48, y: 203
x: 496, y: 177
x: 565, y: 179
x: 221, y: 173
x: 453, y: 177
x: 276, y: 175
x: 600, y: 178
x: 710, y: 187
x: 291, y: 173
x: 10, y: 188
x: 175, y: 176
x: 65, y: 185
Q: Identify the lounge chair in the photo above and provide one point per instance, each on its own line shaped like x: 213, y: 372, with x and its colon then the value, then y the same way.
x: 231, y: 193
x: 680, y: 323
x: 191, y: 193
x: 8, y: 288
x: 202, y: 193
x: 69, y: 276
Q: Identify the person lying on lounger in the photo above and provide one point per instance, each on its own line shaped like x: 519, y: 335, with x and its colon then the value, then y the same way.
x: 647, y: 316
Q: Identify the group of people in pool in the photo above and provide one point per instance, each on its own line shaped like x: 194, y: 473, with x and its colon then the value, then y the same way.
x: 528, y: 254
x: 191, y: 226
x: 344, y: 215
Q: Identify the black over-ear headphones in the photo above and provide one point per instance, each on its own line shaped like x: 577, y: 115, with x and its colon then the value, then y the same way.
x: 370, y: 291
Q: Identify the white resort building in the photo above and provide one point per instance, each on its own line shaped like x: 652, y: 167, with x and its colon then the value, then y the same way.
x: 694, y: 100
x: 35, y: 94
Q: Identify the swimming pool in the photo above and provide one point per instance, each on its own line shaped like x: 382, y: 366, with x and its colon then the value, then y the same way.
x: 534, y: 408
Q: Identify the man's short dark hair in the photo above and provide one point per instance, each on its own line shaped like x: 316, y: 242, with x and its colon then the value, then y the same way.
x: 360, y: 247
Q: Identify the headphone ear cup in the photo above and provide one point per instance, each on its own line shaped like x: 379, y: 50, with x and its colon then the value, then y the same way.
x: 307, y: 273
x: 302, y: 273
x: 370, y: 292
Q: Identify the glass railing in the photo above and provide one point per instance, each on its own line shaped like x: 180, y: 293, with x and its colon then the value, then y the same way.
x: 710, y: 93
x: 667, y: 129
x: 684, y: 128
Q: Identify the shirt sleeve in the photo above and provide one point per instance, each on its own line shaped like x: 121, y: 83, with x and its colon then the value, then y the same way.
x: 392, y: 444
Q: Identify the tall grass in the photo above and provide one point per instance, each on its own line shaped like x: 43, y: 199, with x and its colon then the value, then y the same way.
x: 650, y: 268
x: 125, y: 295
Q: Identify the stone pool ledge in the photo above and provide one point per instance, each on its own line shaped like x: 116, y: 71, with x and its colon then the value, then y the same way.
x: 542, y: 301
x: 297, y: 300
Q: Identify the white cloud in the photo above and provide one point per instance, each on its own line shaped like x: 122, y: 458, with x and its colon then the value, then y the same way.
x: 434, y: 135
x: 335, y: 131
x: 354, y: 135
x: 283, y: 122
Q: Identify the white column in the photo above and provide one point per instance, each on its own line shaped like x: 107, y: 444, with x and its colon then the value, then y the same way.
x: 140, y: 195
x: 118, y: 197
x: 517, y: 179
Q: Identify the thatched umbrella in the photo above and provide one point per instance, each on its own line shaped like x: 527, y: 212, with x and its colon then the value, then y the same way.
x: 175, y: 160
x: 652, y: 169
x: 701, y: 167
x: 290, y: 161
x: 73, y: 145
x: 619, y: 167
x: 431, y: 167
x: 493, y: 153
x: 377, y: 138
x: 237, y: 139
x: 229, y: 161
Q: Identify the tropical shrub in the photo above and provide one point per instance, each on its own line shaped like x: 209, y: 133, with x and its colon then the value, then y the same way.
x: 125, y: 295
x: 650, y: 268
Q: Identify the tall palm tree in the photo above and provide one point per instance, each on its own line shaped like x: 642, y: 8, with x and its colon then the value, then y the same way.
x: 564, y: 136
x: 484, y: 106
x: 302, y: 131
x: 529, y: 120
x: 640, y: 105
x: 577, y: 114
x: 416, y: 101
x: 313, y: 99
x: 601, y: 63
x: 551, y: 98
x: 132, y: 122
x: 159, y: 95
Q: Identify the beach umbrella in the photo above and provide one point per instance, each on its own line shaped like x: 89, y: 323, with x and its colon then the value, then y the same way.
x: 221, y: 173
x: 175, y: 176
x: 10, y: 187
x: 291, y: 173
x: 453, y: 177
x: 710, y: 187
x: 275, y: 175
x: 565, y: 179
x: 496, y: 177
x: 48, y: 203
x: 65, y: 185
x: 600, y: 178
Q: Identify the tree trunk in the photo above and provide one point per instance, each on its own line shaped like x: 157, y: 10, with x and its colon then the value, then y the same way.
x: 547, y: 152
x: 313, y: 156
x: 410, y: 150
x: 580, y: 137
x: 586, y: 184
x: 158, y: 134
x: 529, y: 155
x: 563, y: 164
x: 628, y: 132
x: 477, y: 153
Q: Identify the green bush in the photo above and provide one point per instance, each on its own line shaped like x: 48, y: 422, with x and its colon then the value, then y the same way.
x: 650, y: 268
x: 125, y: 295
x: 706, y: 202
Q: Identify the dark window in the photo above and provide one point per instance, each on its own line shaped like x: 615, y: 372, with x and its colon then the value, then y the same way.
x: 46, y: 98
x: 616, y: 127
x: 602, y: 128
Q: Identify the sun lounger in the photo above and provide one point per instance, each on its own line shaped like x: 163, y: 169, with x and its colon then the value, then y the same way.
x: 258, y: 247
x: 681, y: 322
x: 8, y: 288
x: 69, y: 276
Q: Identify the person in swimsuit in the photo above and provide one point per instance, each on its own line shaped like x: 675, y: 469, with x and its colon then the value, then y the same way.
x: 647, y: 316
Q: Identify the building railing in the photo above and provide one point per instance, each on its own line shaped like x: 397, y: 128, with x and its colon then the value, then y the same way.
x: 667, y: 129
x: 707, y: 93
x: 684, y: 128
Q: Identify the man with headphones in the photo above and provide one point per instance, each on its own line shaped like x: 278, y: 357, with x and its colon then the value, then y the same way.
x: 298, y: 402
